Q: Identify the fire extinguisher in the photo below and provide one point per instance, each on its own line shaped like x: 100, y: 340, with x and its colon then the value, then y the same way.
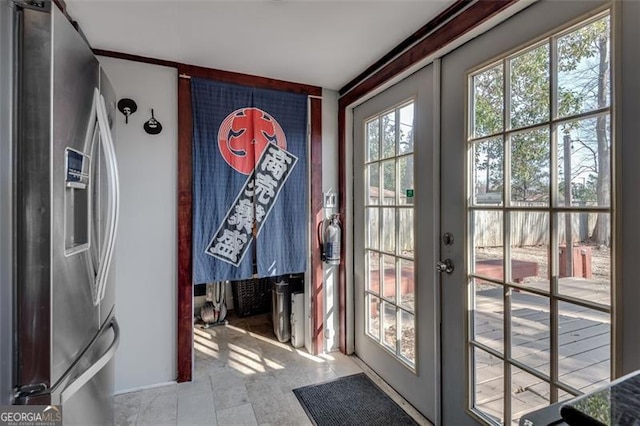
x: 329, y: 234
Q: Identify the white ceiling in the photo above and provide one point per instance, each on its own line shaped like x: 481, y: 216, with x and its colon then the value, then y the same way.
x: 320, y: 42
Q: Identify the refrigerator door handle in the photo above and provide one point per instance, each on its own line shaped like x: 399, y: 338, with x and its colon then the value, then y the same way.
x: 85, y: 377
x: 113, y: 204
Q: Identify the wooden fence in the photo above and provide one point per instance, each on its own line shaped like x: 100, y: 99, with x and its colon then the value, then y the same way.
x: 529, y: 228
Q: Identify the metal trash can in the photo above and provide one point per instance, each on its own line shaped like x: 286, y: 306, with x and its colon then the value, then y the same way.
x: 282, y: 311
x: 297, y: 319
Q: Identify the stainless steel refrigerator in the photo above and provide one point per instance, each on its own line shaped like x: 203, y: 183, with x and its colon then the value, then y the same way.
x: 59, y: 216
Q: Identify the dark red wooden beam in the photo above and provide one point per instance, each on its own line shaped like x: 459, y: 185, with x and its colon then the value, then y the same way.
x: 250, y: 80
x: 185, y: 208
x: 136, y: 58
x: 457, y: 26
x: 317, y: 214
x: 442, y: 17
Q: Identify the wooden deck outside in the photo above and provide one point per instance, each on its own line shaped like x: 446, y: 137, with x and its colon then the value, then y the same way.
x: 584, y: 344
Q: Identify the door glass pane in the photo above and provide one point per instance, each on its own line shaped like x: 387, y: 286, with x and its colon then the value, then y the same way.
x: 389, y: 230
x: 389, y: 179
x: 528, y: 393
x: 530, y: 249
x: 373, y: 274
x: 488, y: 180
x: 373, y: 140
x: 558, y: 221
x: 373, y: 189
x: 530, y: 339
x: 407, y: 336
x: 530, y: 168
x: 584, y: 347
x: 530, y: 87
x: 407, y: 285
x: 488, y: 379
x: 406, y: 129
x: 405, y: 232
x: 389, y: 135
x: 373, y: 315
x: 584, y: 162
x: 405, y: 183
x: 488, y: 106
x: 372, y: 239
x: 389, y: 274
x: 585, y: 271
x: 488, y: 250
x: 488, y: 315
x: 389, y: 325
x: 584, y: 82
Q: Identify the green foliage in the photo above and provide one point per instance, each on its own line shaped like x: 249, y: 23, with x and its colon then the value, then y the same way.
x: 530, y: 166
x: 597, y: 406
x: 583, y: 68
x: 585, y: 192
x: 583, y: 85
x: 530, y: 87
x: 488, y: 89
x: 489, y: 161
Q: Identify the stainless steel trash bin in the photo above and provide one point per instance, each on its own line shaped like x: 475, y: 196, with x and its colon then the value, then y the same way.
x: 297, y: 319
x: 282, y: 311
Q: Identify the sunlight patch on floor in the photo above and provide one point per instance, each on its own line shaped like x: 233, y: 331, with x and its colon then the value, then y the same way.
x: 255, y: 366
x: 309, y: 356
x: 208, y: 343
x: 241, y: 368
x: 202, y: 334
x: 273, y: 365
x: 245, y: 352
x: 205, y: 350
x: 284, y: 346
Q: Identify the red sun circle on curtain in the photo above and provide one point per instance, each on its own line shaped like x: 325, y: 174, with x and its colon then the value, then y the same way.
x: 245, y: 134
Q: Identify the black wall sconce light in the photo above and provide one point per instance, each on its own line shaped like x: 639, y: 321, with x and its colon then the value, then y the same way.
x: 152, y: 126
x: 127, y: 107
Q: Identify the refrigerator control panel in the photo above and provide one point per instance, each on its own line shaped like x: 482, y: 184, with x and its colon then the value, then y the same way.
x: 77, y: 169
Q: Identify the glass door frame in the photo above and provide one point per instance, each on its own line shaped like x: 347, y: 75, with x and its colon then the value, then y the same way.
x: 540, y: 18
x: 421, y: 87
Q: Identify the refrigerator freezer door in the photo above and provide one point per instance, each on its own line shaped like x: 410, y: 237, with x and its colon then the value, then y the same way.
x: 59, y: 205
x: 75, y: 319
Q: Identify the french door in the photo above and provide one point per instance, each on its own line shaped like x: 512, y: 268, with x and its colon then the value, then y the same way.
x: 526, y: 138
x: 396, y: 218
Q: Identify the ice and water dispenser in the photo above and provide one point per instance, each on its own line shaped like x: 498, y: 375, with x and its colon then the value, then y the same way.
x: 76, y: 201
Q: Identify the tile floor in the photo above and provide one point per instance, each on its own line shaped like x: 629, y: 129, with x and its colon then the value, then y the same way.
x: 242, y: 376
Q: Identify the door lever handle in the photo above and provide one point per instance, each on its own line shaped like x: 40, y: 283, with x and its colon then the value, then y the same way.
x: 445, y: 266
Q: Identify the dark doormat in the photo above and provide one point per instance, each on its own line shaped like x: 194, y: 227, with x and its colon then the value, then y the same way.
x: 349, y: 401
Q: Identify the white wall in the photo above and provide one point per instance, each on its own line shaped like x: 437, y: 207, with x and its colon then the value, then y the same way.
x: 330, y: 183
x: 146, y: 250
